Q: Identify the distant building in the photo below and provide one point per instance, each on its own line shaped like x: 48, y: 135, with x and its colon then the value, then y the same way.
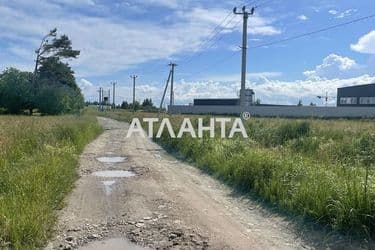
x: 249, y: 100
x: 356, y: 96
x: 217, y: 102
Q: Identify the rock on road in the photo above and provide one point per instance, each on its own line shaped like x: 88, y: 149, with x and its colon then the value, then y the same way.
x: 168, y: 204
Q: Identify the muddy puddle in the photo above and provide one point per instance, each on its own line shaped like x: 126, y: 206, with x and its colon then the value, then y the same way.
x: 112, y: 159
x: 114, y: 174
x: 108, y: 186
x: 118, y: 244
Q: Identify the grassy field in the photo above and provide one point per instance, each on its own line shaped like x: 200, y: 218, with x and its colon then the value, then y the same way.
x: 320, y: 169
x: 38, y: 160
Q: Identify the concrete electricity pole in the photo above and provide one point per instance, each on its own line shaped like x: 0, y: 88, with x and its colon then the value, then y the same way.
x: 100, y: 97
x: 173, y: 65
x: 114, y: 94
x: 245, y: 15
x: 133, y: 77
x: 165, y: 91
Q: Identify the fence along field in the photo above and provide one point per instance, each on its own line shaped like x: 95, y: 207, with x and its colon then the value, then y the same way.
x: 38, y: 159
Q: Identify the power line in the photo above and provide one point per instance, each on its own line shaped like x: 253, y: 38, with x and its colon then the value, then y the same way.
x: 217, y: 62
x: 220, y: 27
x: 221, y: 60
x: 208, y: 43
x: 247, y: 3
x: 205, y: 42
x: 217, y: 31
x: 312, y: 32
x: 244, y: 45
x: 214, y: 32
x: 264, y: 3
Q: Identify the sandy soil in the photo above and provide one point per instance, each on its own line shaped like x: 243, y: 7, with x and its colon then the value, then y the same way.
x: 167, y: 205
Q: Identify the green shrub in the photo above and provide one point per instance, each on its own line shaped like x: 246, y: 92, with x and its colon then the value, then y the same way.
x: 15, y: 90
x: 55, y: 100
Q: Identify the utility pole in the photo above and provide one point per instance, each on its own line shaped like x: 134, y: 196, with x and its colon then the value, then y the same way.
x: 100, y: 92
x: 326, y: 98
x: 173, y: 65
x: 245, y: 15
x: 102, y: 99
x: 165, y: 91
x: 109, y: 96
x: 114, y: 93
x: 133, y: 77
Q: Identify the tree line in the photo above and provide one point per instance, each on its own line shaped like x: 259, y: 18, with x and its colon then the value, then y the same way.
x: 146, y: 105
x: 51, y: 88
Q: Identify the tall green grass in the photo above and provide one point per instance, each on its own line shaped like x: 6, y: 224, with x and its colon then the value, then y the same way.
x: 38, y: 160
x: 319, y: 169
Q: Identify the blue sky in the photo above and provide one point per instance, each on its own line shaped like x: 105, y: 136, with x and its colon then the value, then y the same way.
x: 122, y: 37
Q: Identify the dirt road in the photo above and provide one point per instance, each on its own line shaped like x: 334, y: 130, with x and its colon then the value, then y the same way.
x: 159, y: 202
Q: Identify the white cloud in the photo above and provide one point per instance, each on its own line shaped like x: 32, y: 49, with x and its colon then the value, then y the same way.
x: 119, y: 45
x: 259, y: 25
x: 89, y: 90
x: 268, y: 90
x: 264, y: 30
x: 164, y: 3
x: 111, y: 44
x: 333, y: 12
x: 285, y: 92
x: 75, y: 2
x: 185, y: 91
x: 333, y: 66
x: 346, y: 13
x: 236, y: 77
x: 262, y: 26
x: 342, y: 14
x: 334, y: 72
x: 365, y: 44
x: 302, y: 17
x: 85, y: 84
